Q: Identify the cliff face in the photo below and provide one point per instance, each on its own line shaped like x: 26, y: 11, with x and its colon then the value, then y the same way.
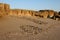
x: 1, y: 9
x: 19, y: 12
x: 46, y: 13
x: 5, y: 10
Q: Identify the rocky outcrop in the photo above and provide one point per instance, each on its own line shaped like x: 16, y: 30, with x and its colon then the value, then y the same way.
x: 5, y: 10
x: 59, y: 13
x: 57, y: 16
x: 49, y: 14
x: 43, y: 13
x: 46, y: 13
x: 19, y: 12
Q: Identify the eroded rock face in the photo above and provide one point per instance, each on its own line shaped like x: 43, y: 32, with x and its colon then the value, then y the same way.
x: 5, y: 10
x: 18, y: 12
x: 1, y: 9
x: 57, y: 16
x: 51, y: 13
x: 59, y: 13
x: 43, y: 13
x: 46, y: 13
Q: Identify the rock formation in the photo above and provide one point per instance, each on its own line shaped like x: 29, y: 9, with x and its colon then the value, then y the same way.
x: 46, y: 13
x: 20, y: 12
x: 57, y: 16
x: 5, y: 10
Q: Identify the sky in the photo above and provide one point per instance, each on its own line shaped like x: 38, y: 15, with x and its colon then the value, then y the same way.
x: 33, y: 4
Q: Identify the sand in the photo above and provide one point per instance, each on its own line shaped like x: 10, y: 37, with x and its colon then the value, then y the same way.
x: 29, y: 28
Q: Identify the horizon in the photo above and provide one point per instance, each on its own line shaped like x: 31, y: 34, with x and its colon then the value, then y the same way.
x: 33, y: 4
